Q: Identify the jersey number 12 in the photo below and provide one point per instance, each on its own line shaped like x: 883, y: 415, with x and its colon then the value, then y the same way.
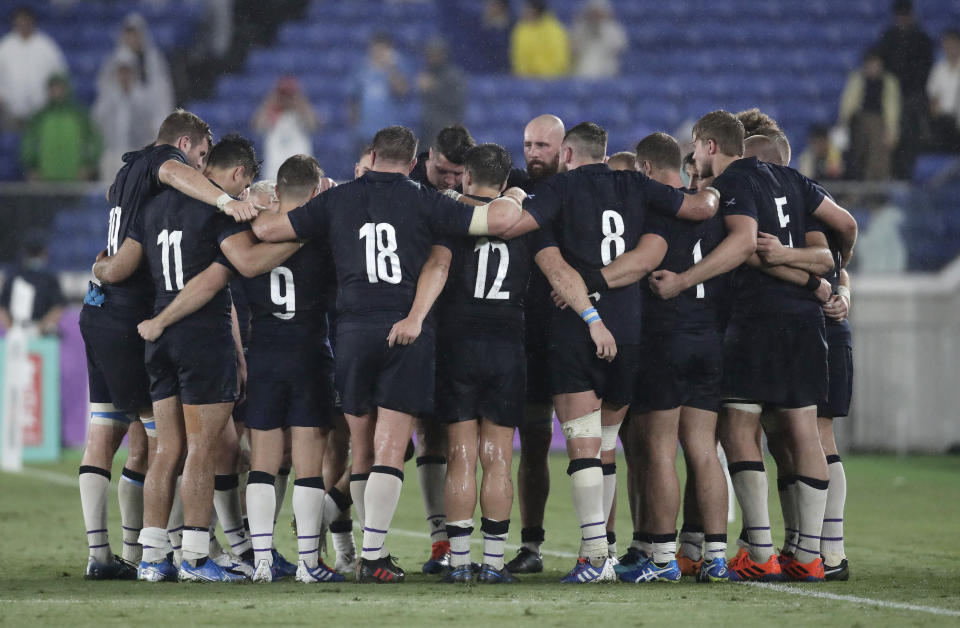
x: 483, y: 247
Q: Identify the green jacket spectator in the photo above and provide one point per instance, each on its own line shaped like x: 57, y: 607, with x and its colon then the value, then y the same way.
x: 60, y: 143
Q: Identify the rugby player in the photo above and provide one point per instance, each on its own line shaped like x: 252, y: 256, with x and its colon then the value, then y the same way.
x: 591, y: 216
x: 690, y: 169
x: 783, y: 319
x: 118, y: 383
x: 624, y: 160
x: 439, y: 168
x: 381, y: 229
x: 542, y: 137
x: 481, y: 374
x: 194, y: 361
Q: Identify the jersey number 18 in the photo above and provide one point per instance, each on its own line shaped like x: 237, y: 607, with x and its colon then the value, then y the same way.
x: 383, y: 263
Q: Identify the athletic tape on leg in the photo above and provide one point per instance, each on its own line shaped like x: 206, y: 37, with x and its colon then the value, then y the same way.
x: 608, y: 436
x: 587, y: 426
x: 752, y: 408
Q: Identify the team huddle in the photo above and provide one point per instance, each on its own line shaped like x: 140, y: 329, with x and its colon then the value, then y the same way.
x: 305, y: 325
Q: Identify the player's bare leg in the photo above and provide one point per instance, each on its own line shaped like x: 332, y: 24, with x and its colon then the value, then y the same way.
x: 362, y: 429
x: 738, y: 435
x: 706, y: 481
x: 431, y: 471
x: 309, y: 444
x: 533, y: 486
x: 130, y: 490
x: 337, y: 502
x: 460, y: 494
x: 496, y: 497
x: 831, y: 536
x: 266, y: 452
x: 811, y: 476
x: 631, y: 438
x: 777, y: 443
x: 204, y: 427
x: 661, y: 485
x: 579, y: 415
x: 611, y: 418
x: 161, y: 480
x: 227, y: 500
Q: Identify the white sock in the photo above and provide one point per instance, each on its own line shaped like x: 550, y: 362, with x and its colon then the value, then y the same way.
x: 609, y: 488
x: 379, y: 503
x: 335, y: 504
x: 459, y: 534
x: 341, y: 531
x: 750, y: 484
x: 494, y: 539
x: 586, y: 480
x: 260, y: 509
x: 664, y: 547
x: 307, y: 506
x: 226, y: 499
x: 155, y: 543
x: 715, y: 546
x: 94, y: 497
x: 831, y: 537
x: 786, y: 489
x: 130, y: 497
x: 196, y: 543
x: 432, y: 473
x: 358, y: 486
x: 811, y: 503
x: 691, y: 543
x: 175, y: 525
x: 215, y: 548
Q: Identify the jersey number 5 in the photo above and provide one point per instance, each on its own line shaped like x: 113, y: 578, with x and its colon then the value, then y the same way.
x: 171, y: 240
x: 286, y: 298
x: 781, y: 202
x: 383, y: 263
x: 483, y: 247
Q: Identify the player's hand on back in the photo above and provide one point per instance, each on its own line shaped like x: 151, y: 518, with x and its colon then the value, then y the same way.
x: 150, y: 330
x: 242, y: 211
x: 770, y: 249
x: 516, y: 193
x: 404, y: 332
x: 666, y: 284
x: 606, y: 345
x: 326, y: 183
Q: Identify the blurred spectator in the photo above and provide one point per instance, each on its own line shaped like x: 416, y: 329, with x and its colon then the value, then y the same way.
x: 27, y: 59
x: 378, y: 90
x: 152, y: 73
x: 48, y: 302
x: 598, y: 40
x: 493, y: 29
x: 821, y: 160
x: 286, y: 119
x: 870, y: 107
x: 196, y: 67
x: 443, y: 91
x: 539, y: 45
x: 907, y: 53
x: 943, y: 89
x: 60, y: 142
x: 123, y: 113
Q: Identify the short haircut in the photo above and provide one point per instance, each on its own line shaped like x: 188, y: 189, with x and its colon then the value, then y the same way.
x: 234, y: 150
x: 298, y: 176
x: 624, y: 157
x: 488, y: 164
x: 180, y: 123
x: 779, y: 138
x: 453, y: 142
x: 661, y: 150
x: 753, y: 120
x: 395, y: 143
x: 763, y: 148
x: 588, y: 137
x: 366, y: 150
x: 688, y: 160
x: 264, y: 186
x: 724, y: 129
x: 873, y: 52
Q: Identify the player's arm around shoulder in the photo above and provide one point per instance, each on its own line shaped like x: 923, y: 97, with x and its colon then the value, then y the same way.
x: 700, y: 206
x: 841, y: 222
x: 191, y: 182
x: 197, y: 293
x: 433, y: 276
x: 251, y: 257
x: 119, y: 266
x: 814, y: 258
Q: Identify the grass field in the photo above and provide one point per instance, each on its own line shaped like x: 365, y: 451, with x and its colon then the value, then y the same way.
x: 903, y: 516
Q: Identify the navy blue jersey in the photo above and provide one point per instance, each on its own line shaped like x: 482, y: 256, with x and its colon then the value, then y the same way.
x: 181, y: 237
x: 242, y: 306
x: 703, y: 304
x: 380, y: 229
x: 487, y: 283
x: 593, y: 215
x: 291, y: 300
x: 419, y: 172
x: 136, y: 183
x: 781, y: 200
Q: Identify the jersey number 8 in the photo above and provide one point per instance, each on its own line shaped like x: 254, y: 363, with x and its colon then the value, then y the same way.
x: 612, y: 245
x: 383, y: 263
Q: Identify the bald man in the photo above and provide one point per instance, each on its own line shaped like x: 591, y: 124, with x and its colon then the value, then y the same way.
x: 542, y: 138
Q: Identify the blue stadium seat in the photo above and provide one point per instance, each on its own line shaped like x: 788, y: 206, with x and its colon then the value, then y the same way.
x: 929, y: 166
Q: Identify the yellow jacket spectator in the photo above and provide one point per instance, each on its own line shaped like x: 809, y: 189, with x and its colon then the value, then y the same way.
x: 539, y: 45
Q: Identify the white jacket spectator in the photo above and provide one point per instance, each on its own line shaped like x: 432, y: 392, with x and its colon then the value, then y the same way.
x: 124, y: 114
x: 943, y: 86
x: 27, y: 59
x: 598, y: 40
x: 152, y: 70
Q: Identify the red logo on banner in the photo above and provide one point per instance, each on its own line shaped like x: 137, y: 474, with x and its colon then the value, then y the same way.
x: 33, y: 403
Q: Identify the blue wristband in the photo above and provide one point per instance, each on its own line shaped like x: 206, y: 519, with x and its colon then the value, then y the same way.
x: 590, y: 315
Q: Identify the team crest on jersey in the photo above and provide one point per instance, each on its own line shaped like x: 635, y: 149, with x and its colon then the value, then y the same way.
x: 731, y: 202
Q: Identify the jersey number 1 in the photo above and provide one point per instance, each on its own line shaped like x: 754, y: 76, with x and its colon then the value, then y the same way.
x: 171, y: 240
x: 697, y: 256
x: 383, y: 263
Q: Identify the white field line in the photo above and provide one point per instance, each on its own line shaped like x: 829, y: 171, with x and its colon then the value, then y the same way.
x: 70, y: 481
